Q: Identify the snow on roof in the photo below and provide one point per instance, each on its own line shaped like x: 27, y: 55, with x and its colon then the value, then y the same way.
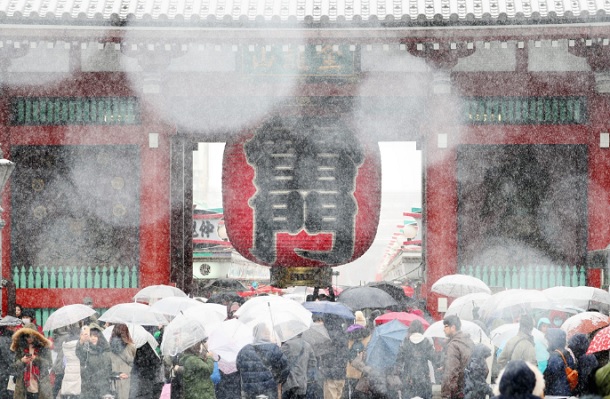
x: 246, y: 13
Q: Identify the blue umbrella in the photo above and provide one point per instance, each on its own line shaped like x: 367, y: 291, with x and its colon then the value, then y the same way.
x: 384, y: 344
x: 327, y: 307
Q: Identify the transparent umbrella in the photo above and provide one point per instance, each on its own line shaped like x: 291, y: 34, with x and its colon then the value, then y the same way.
x: 456, y: 285
x: 133, y: 313
x: 138, y: 334
x: 467, y: 305
x: 155, y: 292
x: 208, y: 314
x: 227, y: 339
x: 66, y: 315
x: 182, y: 333
x: 172, y: 305
x: 287, y: 317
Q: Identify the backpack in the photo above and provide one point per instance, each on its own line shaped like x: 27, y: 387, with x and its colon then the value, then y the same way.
x: 570, y: 373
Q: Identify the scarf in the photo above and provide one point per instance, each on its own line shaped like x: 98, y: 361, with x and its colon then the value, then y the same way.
x: 31, y: 370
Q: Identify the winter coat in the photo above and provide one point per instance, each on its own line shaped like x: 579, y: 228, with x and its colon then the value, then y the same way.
x: 196, y: 377
x: 147, y: 378
x: 71, y: 383
x: 121, y: 360
x: 585, y: 365
x: 475, y: 375
x: 602, y: 381
x: 555, y: 376
x: 301, y: 358
x: 518, y: 381
x: 6, y: 361
x: 95, y: 369
x: 457, y: 354
x: 519, y: 347
x: 412, y: 366
x: 42, y: 363
x: 333, y: 365
x: 262, y: 367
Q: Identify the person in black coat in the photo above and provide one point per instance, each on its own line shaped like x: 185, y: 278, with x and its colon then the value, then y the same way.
x: 517, y: 381
x: 93, y: 352
x: 586, y: 365
x: 147, y: 376
x: 475, y: 375
x: 6, y: 360
x: 556, y: 381
x: 262, y: 365
x: 333, y: 365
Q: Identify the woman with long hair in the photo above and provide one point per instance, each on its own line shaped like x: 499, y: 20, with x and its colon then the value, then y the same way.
x: 122, y: 353
x: 31, y: 364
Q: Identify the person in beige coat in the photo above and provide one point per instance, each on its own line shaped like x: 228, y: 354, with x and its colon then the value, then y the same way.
x: 122, y: 353
x: 31, y: 364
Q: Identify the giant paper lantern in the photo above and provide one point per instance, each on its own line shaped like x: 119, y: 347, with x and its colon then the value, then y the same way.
x: 301, y: 195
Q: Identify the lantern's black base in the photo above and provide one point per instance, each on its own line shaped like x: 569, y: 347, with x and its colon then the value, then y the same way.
x: 283, y: 277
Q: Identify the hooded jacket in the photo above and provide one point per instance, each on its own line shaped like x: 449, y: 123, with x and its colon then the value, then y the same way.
x: 95, y: 367
x: 555, y: 375
x: 412, y: 366
x: 585, y: 364
x: 457, y: 354
x: 475, y: 375
x: 519, y: 347
x: 301, y: 358
x: 42, y: 363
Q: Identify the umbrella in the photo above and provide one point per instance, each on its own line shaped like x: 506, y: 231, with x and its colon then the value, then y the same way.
x: 9, y: 321
x: 383, y: 347
x: 503, y: 333
x: 396, y: 291
x: 585, y: 323
x: 327, y: 307
x: 516, y: 301
x: 437, y: 330
x: 182, y: 333
x: 403, y: 317
x: 138, y: 334
x: 318, y: 338
x: 456, y: 285
x: 225, y: 297
x: 286, y: 317
x: 133, y: 313
x: 600, y: 341
x: 500, y: 336
x: 357, y: 298
x: 156, y: 292
x: 209, y: 315
x: 66, y: 315
x: 582, y: 296
x: 465, y: 306
x: 172, y: 305
x: 226, y: 284
x: 227, y: 340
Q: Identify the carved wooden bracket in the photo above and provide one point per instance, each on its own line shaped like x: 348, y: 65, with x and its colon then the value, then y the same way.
x: 442, y: 56
x: 597, y: 55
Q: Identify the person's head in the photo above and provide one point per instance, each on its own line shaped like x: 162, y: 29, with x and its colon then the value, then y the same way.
x: 28, y: 316
x: 122, y: 332
x: 579, y: 343
x: 518, y: 380
x: 359, y: 318
x: 262, y: 333
x: 526, y: 323
x: 416, y: 326
x: 96, y: 337
x: 18, y: 311
x: 452, y: 325
x: 543, y: 324
x: 556, y: 339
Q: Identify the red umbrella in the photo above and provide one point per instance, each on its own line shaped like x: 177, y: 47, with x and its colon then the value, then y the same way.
x: 404, y: 317
x: 601, y: 341
x: 585, y: 323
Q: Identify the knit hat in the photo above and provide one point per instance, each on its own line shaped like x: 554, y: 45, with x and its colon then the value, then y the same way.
x: 360, y: 318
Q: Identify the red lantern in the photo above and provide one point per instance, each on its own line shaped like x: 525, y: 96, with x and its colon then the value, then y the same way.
x: 301, y: 195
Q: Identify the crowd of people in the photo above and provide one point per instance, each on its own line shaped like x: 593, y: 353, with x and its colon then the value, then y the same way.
x: 78, y: 362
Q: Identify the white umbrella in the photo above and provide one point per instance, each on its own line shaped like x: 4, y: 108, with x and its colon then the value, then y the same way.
x: 456, y: 285
x: 133, y: 313
x: 287, y: 317
x: 437, y: 330
x: 503, y: 333
x: 464, y: 306
x: 516, y: 301
x: 172, y: 305
x: 210, y: 315
x: 67, y: 315
x: 582, y: 296
x: 138, y: 334
x: 182, y: 333
x: 155, y: 292
x: 227, y: 340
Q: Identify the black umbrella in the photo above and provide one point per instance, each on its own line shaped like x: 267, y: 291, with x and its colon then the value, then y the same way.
x: 395, y: 291
x: 10, y: 321
x: 357, y: 298
x: 225, y: 297
x: 226, y: 283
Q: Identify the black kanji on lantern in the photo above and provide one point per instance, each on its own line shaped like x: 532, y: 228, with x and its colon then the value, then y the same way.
x: 305, y: 176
